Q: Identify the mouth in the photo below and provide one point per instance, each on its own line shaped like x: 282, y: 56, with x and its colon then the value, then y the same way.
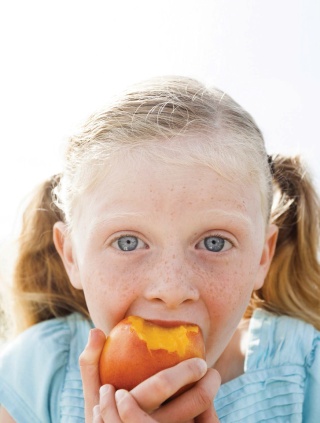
x: 169, y: 323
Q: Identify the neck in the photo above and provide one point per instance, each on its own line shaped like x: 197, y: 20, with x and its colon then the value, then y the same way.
x: 230, y: 364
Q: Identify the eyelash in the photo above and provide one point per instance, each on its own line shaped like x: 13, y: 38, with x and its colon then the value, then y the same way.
x: 139, y: 241
x: 219, y: 236
x: 128, y: 244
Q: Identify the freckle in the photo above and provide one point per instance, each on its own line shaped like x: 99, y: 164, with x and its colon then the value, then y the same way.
x: 173, y: 256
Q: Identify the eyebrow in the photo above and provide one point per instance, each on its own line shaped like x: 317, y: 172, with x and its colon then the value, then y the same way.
x: 114, y: 216
x: 232, y: 214
x: 238, y: 216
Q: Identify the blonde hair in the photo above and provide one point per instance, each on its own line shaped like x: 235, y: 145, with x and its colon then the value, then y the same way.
x: 41, y: 288
x: 149, y: 119
x: 292, y: 286
x: 153, y: 120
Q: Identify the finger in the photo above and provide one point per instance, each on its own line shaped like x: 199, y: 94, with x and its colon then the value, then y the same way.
x: 107, y: 405
x: 151, y: 393
x: 128, y: 409
x: 96, y: 414
x: 89, y: 368
x: 193, y: 403
x: 208, y: 416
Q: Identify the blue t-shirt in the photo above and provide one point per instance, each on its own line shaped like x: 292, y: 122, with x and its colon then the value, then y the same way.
x: 40, y: 378
x: 281, y: 382
x: 39, y: 372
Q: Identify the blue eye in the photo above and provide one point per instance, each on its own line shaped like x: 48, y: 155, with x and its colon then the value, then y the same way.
x: 215, y: 244
x: 127, y: 243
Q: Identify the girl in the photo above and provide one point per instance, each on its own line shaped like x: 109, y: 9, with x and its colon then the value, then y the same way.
x: 169, y: 208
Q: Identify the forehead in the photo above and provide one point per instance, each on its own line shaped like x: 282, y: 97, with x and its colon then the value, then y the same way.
x: 150, y: 187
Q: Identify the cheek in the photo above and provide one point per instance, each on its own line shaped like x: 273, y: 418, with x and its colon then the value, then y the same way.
x: 227, y: 277
x: 226, y: 296
x: 109, y: 293
x: 227, y: 291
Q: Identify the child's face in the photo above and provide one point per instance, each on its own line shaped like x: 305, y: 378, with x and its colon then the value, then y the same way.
x: 173, y: 243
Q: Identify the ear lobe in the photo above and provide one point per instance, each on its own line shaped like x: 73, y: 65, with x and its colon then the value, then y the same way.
x: 63, y: 244
x: 267, y: 255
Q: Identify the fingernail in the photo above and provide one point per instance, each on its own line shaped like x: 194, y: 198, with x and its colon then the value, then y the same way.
x: 91, y: 336
x: 202, y: 365
x: 120, y: 394
x: 104, y: 389
x: 96, y: 411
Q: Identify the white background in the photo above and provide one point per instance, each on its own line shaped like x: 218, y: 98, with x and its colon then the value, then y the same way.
x: 61, y: 60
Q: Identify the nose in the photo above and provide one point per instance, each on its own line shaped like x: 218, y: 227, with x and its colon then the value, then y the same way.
x: 172, y: 282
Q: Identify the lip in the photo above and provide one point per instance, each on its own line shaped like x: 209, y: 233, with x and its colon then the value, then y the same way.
x: 169, y: 323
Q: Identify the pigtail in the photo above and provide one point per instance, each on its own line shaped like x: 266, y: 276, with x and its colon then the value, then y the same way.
x: 292, y: 285
x: 41, y: 287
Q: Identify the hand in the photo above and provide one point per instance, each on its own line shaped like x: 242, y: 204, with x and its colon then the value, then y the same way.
x: 144, y: 403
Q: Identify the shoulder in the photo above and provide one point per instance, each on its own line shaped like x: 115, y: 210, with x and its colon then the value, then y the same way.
x: 51, y: 339
x: 281, y: 380
x: 277, y: 340
x: 287, y: 350
x: 312, y: 391
x: 34, y: 367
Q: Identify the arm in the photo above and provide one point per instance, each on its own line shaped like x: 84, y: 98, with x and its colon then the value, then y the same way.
x: 5, y: 416
x: 311, y: 409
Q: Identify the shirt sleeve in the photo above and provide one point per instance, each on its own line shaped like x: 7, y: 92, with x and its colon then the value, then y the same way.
x: 32, y: 372
x: 311, y: 409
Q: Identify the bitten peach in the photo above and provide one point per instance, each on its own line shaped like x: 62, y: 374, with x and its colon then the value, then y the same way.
x: 137, y: 349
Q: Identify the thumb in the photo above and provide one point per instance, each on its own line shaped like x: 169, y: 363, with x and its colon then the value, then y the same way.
x: 89, y: 368
x: 210, y: 414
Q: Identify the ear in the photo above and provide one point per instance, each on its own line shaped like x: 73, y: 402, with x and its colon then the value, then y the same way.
x: 63, y: 244
x: 267, y: 255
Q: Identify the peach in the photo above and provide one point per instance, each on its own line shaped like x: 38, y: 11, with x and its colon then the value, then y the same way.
x: 137, y: 349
